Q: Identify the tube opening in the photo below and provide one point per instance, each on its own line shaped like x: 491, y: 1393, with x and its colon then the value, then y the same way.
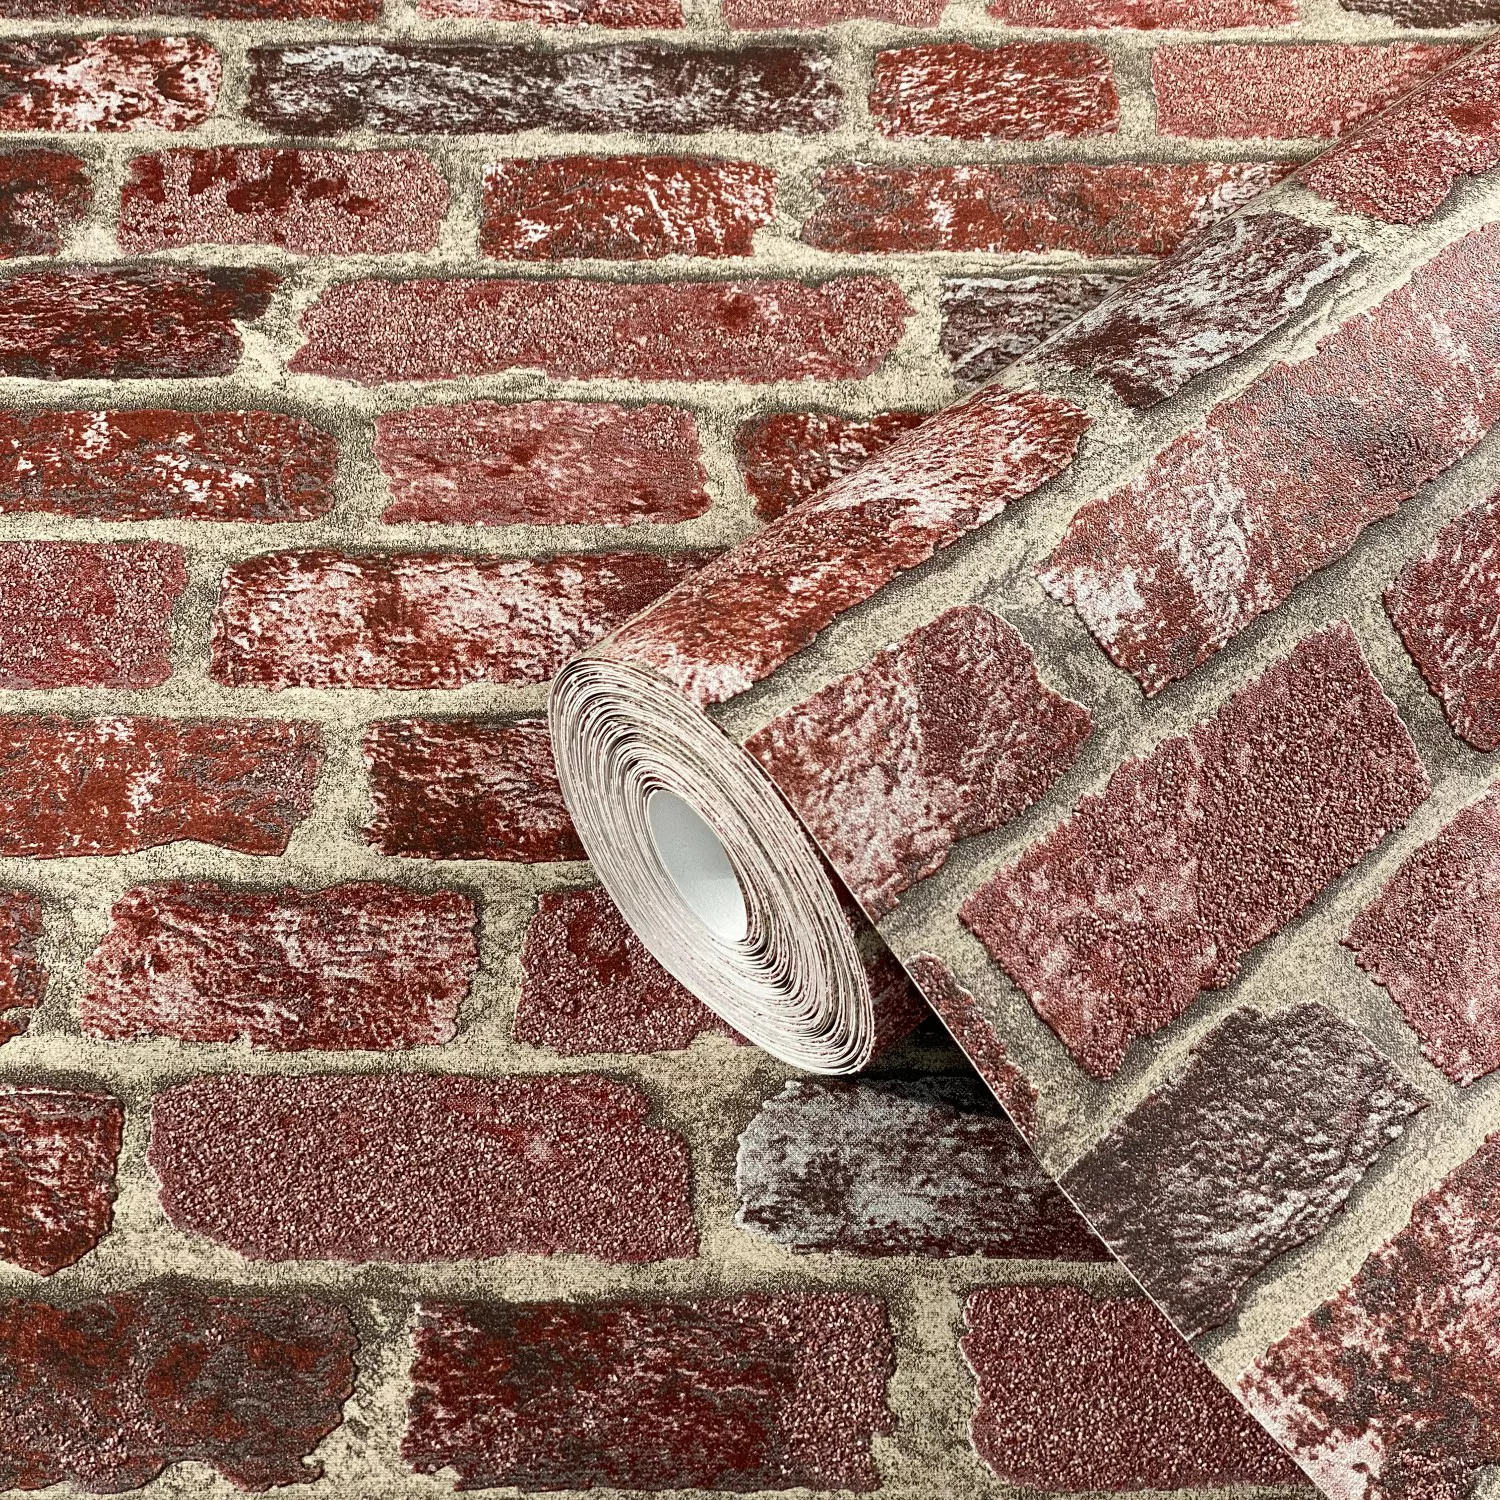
x: 699, y: 866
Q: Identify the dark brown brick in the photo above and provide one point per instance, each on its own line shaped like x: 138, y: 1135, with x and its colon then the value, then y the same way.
x: 43, y: 198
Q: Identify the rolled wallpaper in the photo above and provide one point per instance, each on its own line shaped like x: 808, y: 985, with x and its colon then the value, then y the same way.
x: 1143, y: 702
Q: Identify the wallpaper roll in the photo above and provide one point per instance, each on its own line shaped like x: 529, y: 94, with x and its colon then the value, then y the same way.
x: 1104, y: 694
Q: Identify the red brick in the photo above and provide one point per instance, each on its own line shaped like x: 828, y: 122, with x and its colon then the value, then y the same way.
x: 115, y: 785
x: 87, y: 614
x: 207, y: 10
x: 43, y: 198
x: 946, y: 734
x: 106, y: 1394
x: 1280, y: 481
x: 1248, y: 90
x: 896, y: 1003
x: 1146, y: 15
x: 959, y: 1011
x: 790, y: 456
x: 1125, y: 208
x: 412, y: 1166
x: 619, y: 14
x: 22, y: 976
x: 1432, y: 938
x: 1024, y: 91
x: 1444, y: 604
x: 175, y: 465
x: 127, y: 322
x: 1435, y: 14
x: 314, y: 202
x: 424, y: 620
x: 1388, y: 1390
x: 547, y: 463
x: 107, y: 83
x: 736, y: 620
x: 1402, y: 166
x: 373, y: 331
x: 988, y: 325
x: 1154, y: 889
x: 928, y: 1167
x: 57, y: 1175
x: 467, y: 789
x: 1078, y: 1392
x: 588, y: 985
x: 470, y: 89
x: 358, y: 967
x: 805, y: 15
x: 747, y: 1393
x: 623, y: 207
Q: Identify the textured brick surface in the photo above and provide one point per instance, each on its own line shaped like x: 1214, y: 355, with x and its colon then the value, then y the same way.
x: 1423, y: 1309
x: 1432, y: 938
x: 424, y: 620
x: 22, y: 974
x: 360, y: 966
x: 213, y: 10
x: 57, y: 1175
x: 1146, y: 15
x: 1098, y: 1393
x: 1119, y: 209
x: 1028, y: 91
x: 301, y: 1168
x: 1432, y: 12
x: 619, y: 14
x: 928, y: 1167
x: 1278, y: 482
x: 43, y: 196
x: 71, y: 786
x: 945, y: 734
x: 127, y: 322
x: 373, y: 331
x: 87, y: 614
x: 1248, y: 1153
x: 314, y: 202
x: 106, y: 1393
x: 623, y: 207
x: 479, y: 463
x: 145, y: 464
x: 588, y: 985
x: 324, y: 89
x: 746, y: 1393
x: 1155, y: 888
x: 466, y: 789
x: 804, y: 14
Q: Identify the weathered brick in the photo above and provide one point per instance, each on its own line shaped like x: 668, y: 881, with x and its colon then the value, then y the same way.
x: 107, y: 83
x: 207, y: 10
x: 1444, y: 604
x: 115, y: 785
x: 988, y: 325
x: 765, y: 330
x: 1219, y: 295
x: 1424, y: 1313
x: 548, y: 463
x: 43, y: 198
x: 467, y: 789
x: 127, y: 322
x: 1155, y: 888
x: 1439, y: 15
x: 424, y: 620
x: 746, y: 1393
x: 1401, y: 166
x: 412, y: 1166
x: 943, y: 735
x: 623, y: 207
x: 923, y: 1167
x: 748, y: 611
x: 588, y: 984
x: 177, y: 465
x: 314, y: 202
x: 1432, y: 938
x: 1249, y: 1152
x: 1023, y: 91
x: 359, y: 966
x: 896, y: 1003
x: 1078, y: 1392
x: 804, y: 15
x: 447, y: 89
x: 790, y: 456
x: 1146, y: 15
x: 106, y: 1394
x: 57, y: 1175
x: 1281, y: 480
x: 22, y: 976
x: 1245, y: 90
x: 620, y: 14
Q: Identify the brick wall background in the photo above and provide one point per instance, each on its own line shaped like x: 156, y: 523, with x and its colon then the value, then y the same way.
x: 355, y: 367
